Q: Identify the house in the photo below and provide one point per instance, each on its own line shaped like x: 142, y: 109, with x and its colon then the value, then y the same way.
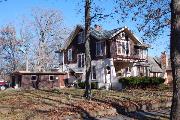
x: 37, y: 80
x: 115, y: 53
x: 165, y: 64
x: 154, y: 69
x: 160, y: 67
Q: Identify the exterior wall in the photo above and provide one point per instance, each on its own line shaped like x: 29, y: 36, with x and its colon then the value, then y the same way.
x: 101, y: 62
x: 142, y: 56
x: 76, y: 49
x: 101, y: 74
x: 75, y: 68
x: 100, y: 66
x: 110, y: 48
x: 168, y: 77
x: 93, y: 49
x: 44, y: 82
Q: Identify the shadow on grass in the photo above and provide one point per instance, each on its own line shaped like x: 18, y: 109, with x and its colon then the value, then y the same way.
x: 74, y: 108
x: 140, y: 115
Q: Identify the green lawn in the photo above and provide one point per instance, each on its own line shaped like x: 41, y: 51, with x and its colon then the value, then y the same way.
x: 69, y: 104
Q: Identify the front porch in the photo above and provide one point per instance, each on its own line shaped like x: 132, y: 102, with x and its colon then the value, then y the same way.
x: 129, y: 68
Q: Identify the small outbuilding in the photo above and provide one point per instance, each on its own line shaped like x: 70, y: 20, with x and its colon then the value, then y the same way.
x: 37, y: 80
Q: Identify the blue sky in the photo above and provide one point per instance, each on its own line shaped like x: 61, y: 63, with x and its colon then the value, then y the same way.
x: 12, y: 11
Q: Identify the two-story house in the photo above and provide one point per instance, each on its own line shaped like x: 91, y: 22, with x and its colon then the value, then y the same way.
x: 114, y: 53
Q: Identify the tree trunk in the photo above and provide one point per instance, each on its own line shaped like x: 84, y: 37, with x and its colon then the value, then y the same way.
x: 175, y: 58
x: 87, y: 93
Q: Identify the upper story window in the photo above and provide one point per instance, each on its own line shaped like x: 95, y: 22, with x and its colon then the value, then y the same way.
x: 81, y: 38
x: 145, y: 54
x: 69, y: 54
x: 80, y: 60
x: 100, y: 48
x: 122, y: 35
x: 136, y: 51
x: 123, y: 48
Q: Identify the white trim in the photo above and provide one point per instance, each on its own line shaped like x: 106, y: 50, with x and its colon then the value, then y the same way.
x: 101, y: 54
x: 70, y: 57
x: 81, y: 54
x: 92, y: 72
x: 119, y: 45
x: 125, y: 27
x: 53, y: 77
x: 32, y: 76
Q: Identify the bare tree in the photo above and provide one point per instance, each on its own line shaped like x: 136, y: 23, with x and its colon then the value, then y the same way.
x: 50, y: 32
x: 27, y: 48
x: 10, y: 49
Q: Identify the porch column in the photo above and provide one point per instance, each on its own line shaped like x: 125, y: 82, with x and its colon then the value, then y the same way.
x: 113, y: 72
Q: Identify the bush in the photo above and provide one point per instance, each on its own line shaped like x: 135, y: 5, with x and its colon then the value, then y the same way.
x: 141, y: 82
x: 94, y: 85
x: 81, y: 85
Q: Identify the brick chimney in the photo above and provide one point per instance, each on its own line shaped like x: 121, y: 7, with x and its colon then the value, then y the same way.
x: 164, y: 60
x: 97, y: 27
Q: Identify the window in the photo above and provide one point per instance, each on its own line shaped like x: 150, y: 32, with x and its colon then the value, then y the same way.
x: 69, y: 54
x: 93, y: 72
x: 33, y: 78
x: 51, y: 78
x: 100, y: 48
x: 81, y: 38
x: 136, y: 51
x: 122, y: 35
x: 80, y: 60
x: 123, y: 48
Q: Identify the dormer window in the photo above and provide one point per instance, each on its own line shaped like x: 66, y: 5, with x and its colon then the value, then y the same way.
x: 81, y: 38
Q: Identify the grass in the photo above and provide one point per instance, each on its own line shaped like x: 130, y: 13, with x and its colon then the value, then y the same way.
x: 69, y: 104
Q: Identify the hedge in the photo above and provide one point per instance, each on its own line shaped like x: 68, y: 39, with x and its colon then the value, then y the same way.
x: 141, y: 82
x: 94, y: 85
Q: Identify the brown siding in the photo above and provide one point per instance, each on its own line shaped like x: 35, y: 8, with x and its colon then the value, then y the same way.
x: 111, y: 49
x: 93, y: 49
x: 76, y: 48
x: 114, y: 49
x: 44, y: 82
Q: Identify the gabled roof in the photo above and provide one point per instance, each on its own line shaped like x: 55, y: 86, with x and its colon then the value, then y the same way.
x: 102, y: 35
x: 72, y: 36
x: 154, y: 67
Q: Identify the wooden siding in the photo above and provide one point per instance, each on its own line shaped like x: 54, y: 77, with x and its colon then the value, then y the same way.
x: 111, y: 49
x: 93, y: 49
x: 132, y: 49
x: 76, y: 49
